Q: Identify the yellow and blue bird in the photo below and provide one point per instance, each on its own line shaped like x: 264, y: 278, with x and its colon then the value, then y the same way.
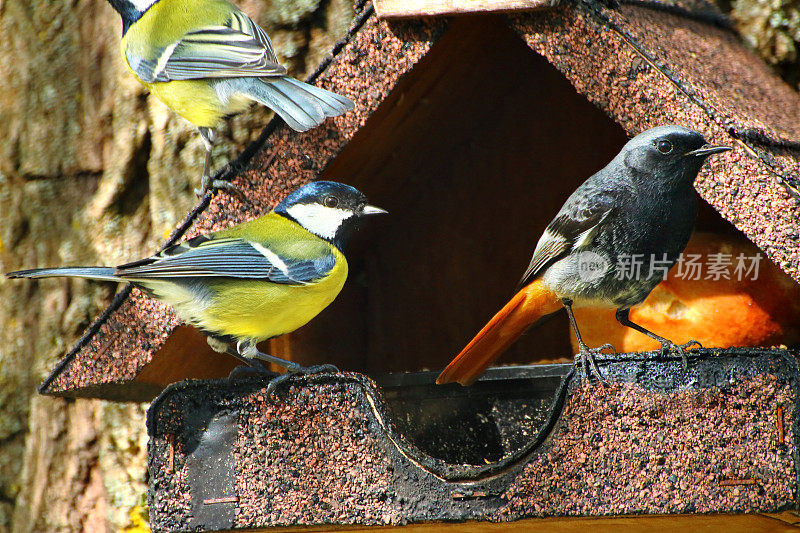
x: 207, y: 60
x: 254, y: 281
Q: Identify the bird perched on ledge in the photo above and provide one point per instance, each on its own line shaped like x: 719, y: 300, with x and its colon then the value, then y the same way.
x: 206, y: 60
x: 254, y: 281
x: 641, y: 205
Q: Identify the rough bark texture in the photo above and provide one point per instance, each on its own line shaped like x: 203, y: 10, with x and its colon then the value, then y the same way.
x: 93, y: 170
x: 772, y: 29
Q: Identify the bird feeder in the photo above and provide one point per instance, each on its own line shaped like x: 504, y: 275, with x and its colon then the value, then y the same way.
x: 526, y: 445
x: 471, y: 127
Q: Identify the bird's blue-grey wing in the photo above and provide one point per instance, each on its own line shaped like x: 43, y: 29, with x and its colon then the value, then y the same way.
x: 238, y: 49
x: 229, y: 258
x: 573, y: 227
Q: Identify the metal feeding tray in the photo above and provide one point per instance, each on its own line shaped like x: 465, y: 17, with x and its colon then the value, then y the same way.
x: 479, y: 425
x: 522, y: 443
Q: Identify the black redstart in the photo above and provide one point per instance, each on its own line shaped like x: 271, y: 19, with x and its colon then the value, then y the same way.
x: 610, y: 244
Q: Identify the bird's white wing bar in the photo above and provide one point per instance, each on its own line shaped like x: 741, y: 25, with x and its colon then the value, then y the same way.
x: 585, y: 237
x: 272, y: 257
x: 573, y: 227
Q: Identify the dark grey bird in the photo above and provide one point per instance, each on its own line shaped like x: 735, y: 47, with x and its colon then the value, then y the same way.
x: 600, y: 249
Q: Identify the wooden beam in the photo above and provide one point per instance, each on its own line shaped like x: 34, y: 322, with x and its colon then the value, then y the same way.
x: 739, y: 523
x: 426, y: 8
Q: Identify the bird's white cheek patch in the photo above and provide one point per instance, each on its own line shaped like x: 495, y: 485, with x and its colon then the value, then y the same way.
x: 318, y: 219
x: 142, y: 5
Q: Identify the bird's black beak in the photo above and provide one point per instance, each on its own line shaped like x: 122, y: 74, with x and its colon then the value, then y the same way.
x: 372, y: 210
x: 708, y: 149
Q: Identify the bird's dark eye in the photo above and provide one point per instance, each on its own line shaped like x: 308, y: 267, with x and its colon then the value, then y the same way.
x: 664, y: 146
x: 331, y: 201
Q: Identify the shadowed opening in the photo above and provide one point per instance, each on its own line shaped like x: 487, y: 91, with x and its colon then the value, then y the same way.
x: 472, y: 154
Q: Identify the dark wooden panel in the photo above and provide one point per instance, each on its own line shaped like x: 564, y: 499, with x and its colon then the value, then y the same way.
x: 186, y: 354
x: 472, y: 154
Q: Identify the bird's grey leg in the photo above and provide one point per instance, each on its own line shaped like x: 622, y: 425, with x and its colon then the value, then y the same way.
x: 248, y: 350
x: 666, y: 344
x: 221, y: 346
x: 207, y: 184
x: 587, y: 354
x: 250, y: 366
x: 251, y: 363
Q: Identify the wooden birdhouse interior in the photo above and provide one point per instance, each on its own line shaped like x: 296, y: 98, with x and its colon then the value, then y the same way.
x: 472, y: 154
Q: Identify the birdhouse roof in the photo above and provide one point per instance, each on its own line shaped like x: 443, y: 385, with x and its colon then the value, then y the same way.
x: 643, y: 63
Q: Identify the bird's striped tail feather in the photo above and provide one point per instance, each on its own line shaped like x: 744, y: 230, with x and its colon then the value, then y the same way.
x: 531, y: 303
x: 300, y: 105
x: 98, y: 273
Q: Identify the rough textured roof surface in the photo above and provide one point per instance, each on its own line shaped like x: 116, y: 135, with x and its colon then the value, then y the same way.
x: 644, y: 63
x: 721, y: 438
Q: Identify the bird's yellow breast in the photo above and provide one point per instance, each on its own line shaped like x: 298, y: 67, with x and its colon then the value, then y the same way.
x: 244, y: 310
x: 197, y: 101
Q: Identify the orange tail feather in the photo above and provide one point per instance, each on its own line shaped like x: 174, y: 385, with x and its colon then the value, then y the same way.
x: 530, y: 304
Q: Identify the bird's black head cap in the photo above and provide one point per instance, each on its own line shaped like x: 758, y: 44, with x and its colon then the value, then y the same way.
x: 327, y: 209
x: 131, y: 10
x: 667, y: 154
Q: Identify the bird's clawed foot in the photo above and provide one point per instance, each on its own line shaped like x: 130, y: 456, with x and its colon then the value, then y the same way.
x: 669, y: 346
x: 247, y: 352
x: 586, y: 357
x: 254, y: 369
x: 301, y: 371
x: 208, y: 185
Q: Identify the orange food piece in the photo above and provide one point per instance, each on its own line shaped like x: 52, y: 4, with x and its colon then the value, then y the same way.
x: 764, y: 311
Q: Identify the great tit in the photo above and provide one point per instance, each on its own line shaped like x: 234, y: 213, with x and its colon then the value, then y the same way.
x: 254, y: 281
x: 207, y: 60
x: 641, y: 207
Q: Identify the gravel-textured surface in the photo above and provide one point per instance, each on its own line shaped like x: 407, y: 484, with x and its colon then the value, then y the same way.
x: 663, y: 452
x: 312, y: 464
x: 656, y: 440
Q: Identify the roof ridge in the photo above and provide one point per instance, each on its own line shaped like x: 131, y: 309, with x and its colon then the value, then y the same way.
x: 707, y: 16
